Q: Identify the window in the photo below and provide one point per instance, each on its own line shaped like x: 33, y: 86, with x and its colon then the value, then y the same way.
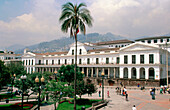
x: 142, y: 59
x: 117, y: 60
x: 46, y: 62
x: 143, y: 41
x: 39, y: 62
x: 65, y: 61
x: 133, y: 59
x: 29, y: 62
x: 161, y: 40
x: 155, y: 40
x: 72, y: 52
x: 32, y: 62
x: 26, y: 62
x: 97, y: 60
x: 80, y: 52
x: 167, y: 40
x: 52, y: 62
x: 79, y: 61
x: 151, y: 60
x: 72, y: 61
x: 125, y: 59
x: 149, y: 41
x: 88, y: 61
x: 107, y: 60
x: 59, y: 61
x: 116, y: 46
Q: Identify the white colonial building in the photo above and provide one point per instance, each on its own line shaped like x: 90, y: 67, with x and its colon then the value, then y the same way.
x: 121, y: 61
x: 9, y: 56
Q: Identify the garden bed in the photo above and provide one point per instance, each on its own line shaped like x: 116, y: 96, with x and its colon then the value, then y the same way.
x: 17, y: 106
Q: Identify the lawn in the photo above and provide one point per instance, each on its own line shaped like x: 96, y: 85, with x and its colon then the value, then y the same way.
x: 80, y: 103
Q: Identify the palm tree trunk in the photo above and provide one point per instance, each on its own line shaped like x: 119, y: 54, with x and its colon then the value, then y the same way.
x: 75, y: 72
x: 55, y: 106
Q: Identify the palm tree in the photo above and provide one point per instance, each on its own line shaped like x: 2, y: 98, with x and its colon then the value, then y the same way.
x: 74, y: 17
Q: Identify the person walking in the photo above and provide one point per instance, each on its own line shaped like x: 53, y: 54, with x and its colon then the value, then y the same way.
x: 126, y: 97
x: 134, y: 107
x: 99, y: 93
x: 108, y: 94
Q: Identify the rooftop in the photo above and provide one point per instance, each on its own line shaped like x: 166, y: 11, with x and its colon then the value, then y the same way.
x: 149, y: 38
x: 113, y: 42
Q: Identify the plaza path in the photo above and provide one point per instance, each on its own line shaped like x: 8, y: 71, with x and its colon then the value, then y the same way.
x: 141, y: 99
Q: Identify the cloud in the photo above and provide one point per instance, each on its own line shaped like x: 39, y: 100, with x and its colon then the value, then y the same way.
x: 41, y: 24
x: 130, y: 18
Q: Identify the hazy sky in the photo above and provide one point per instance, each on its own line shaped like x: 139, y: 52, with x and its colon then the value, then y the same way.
x: 28, y: 22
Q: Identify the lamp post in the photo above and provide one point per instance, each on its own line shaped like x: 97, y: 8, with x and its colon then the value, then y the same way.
x: 102, y: 86
x: 55, y: 73
x: 13, y: 82
x: 82, y: 73
x: 23, y: 78
x: 38, y: 81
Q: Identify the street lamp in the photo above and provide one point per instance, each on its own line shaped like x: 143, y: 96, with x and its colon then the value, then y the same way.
x: 13, y: 82
x: 38, y: 81
x: 82, y: 73
x: 55, y: 73
x: 102, y: 86
x: 23, y: 78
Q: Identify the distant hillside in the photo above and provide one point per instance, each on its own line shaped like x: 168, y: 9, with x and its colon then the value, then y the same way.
x: 64, y: 43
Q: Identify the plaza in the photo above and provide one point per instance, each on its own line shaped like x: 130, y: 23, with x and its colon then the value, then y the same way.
x: 141, y: 98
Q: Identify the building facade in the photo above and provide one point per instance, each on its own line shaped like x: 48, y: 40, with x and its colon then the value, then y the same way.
x: 122, y: 61
x: 9, y: 56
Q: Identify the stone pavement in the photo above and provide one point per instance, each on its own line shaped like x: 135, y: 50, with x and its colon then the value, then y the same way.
x: 141, y: 99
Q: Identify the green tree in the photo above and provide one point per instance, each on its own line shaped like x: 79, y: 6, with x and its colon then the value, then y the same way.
x: 30, y: 84
x: 75, y: 17
x: 57, y: 90
x: 66, y: 73
x: 4, y: 75
x: 16, y: 68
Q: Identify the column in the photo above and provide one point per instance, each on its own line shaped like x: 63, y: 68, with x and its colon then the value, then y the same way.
x: 129, y: 73
x: 108, y: 72
x: 87, y: 72
x: 97, y: 72
x: 121, y: 72
x: 114, y: 74
x: 52, y: 70
x: 83, y: 69
x: 137, y: 73
x: 92, y: 72
x: 146, y: 73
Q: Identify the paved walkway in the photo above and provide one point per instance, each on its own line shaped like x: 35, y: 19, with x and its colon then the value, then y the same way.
x: 141, y: 99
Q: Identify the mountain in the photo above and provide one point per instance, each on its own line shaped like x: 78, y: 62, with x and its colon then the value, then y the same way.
x: 63, y: 44
x: 14, y: 47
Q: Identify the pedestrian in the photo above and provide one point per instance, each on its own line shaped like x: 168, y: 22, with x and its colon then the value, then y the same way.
x: 134, y: 107
x: 150, y: 90
x: 126, y: 97
x: 99, y: 93
x: 138, y: 85
x: 125, y: 90
x: 108, y: 94
x: 153, y: 95
x: 121, y: 84
x: 100, y: 85
x: 161, y: 91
